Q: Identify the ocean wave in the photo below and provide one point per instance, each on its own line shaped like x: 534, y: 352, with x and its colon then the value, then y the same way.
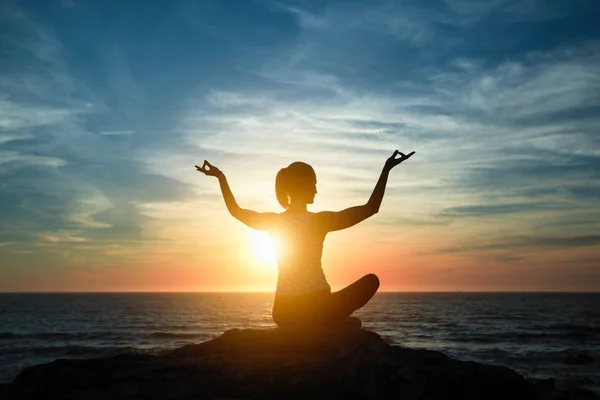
x: 173, y: 335
x: 145, y: 327
x: 7, y: 335
x: 37, y: 335
x: 508, y: 337
x: 576, y: 328
x: 476, y: 339
x: 91, y: 336
x: 75, y: 350
x: 49, y: 336
x: 13, y: 348
x: 565, y: 335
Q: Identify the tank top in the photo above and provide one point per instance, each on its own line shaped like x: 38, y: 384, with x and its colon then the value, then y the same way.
x: 299, y: 252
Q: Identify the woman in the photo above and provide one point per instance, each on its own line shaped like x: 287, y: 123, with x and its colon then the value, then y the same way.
x: 303, y: 296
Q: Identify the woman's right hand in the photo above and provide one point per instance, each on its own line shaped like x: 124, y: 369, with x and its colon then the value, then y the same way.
x: 393, y: 161
x: 209, y: 170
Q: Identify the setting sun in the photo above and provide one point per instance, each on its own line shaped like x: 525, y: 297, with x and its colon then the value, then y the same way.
x: 263, y: 249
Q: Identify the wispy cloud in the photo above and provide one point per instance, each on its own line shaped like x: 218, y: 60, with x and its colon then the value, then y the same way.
x: 20, y: 160
x: 117, y: 133
x: 532, y: 242
x: 61, y: 236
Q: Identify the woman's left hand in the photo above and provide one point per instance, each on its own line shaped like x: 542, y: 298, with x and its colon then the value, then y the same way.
x: 208, y: 169
x: 393, y: 161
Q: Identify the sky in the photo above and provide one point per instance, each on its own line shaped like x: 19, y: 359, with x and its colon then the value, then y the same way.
x: 105, y: 108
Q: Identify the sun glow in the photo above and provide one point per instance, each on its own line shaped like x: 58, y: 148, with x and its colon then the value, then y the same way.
x: 263, y: 249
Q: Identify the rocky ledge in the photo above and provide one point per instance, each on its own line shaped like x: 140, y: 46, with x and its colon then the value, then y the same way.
x: 277, y: 364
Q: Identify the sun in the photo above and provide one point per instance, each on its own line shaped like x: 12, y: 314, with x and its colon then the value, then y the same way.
x: 263, y: 249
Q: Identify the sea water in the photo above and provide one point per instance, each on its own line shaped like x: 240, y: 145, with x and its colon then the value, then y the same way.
x: 529, y: 332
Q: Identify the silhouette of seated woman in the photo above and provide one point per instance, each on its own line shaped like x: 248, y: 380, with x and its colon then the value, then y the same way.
x: 303, y: 296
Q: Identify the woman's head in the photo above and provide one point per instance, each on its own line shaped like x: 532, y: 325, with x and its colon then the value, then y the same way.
x: 296, y: 183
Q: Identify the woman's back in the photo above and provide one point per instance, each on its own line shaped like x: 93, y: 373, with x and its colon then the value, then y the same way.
x: 299, y: 250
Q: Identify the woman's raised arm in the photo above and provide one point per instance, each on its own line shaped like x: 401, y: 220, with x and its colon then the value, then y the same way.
x: 253, y: 219
x: 335, y: 221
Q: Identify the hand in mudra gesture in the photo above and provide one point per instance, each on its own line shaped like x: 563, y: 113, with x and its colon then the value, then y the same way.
x: 393, y: 161
x: 208, y: 169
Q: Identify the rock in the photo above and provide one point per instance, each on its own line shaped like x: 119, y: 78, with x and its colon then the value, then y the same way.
x: 3, y: 390
x: 276, y: 364
x: 545, y: 389
x: 578, y: 359
x: 576, y: 393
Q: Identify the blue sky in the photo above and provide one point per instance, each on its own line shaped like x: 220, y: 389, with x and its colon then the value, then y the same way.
x: 106, y: 106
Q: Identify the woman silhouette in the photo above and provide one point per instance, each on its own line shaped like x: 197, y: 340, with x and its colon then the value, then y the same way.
x: 303, y: 296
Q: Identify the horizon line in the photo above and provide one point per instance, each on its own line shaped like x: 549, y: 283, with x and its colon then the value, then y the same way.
x: 270, y: 292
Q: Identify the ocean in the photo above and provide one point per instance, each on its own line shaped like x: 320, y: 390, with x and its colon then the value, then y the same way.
x: 531, y: 333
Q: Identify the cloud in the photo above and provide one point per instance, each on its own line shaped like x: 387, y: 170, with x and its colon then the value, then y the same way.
x: 5, y: 137
x: 18, y: 159
x: 61, y: 236
x: 529, y: 242
x: 469, y: 12
x: 117, y: 133
x: 524, y: 94
x: 305, y: 19
x: 15, y: 117
x: 480, y: 210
